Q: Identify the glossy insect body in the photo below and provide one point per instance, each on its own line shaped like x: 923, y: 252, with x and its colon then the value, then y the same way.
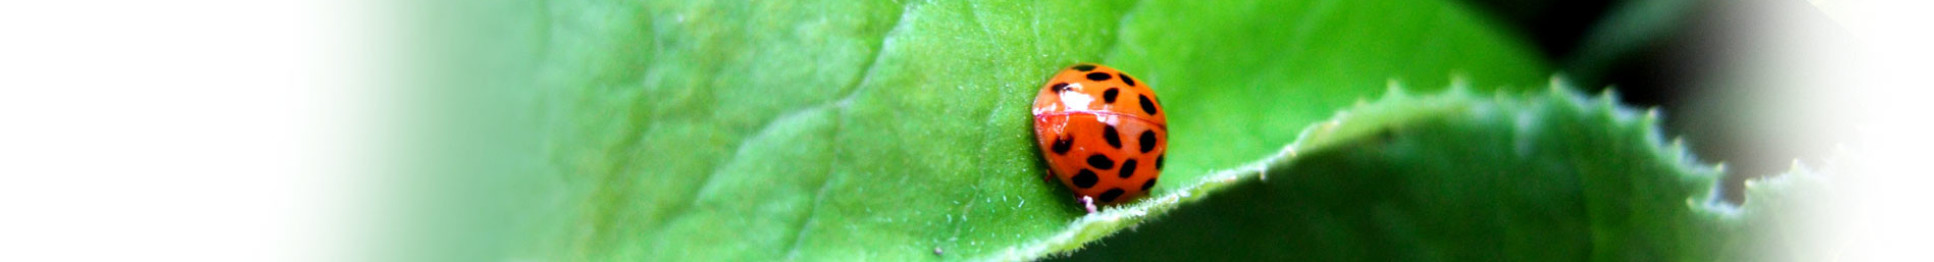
x: 1103, y: 133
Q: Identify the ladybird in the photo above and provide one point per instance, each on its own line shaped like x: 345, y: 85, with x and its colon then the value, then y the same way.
x: 1103, y: 133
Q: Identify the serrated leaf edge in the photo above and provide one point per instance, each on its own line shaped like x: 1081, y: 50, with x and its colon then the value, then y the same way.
x: 1395, y: 106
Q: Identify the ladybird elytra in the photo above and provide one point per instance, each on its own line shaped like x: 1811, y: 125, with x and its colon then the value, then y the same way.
x: 1104, y: 134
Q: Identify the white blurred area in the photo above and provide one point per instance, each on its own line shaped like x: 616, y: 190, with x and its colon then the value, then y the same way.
x: 198, y: 130
x: 1884, y: 207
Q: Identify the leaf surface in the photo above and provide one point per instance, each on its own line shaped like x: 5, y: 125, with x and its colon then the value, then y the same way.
x: 828, y: 130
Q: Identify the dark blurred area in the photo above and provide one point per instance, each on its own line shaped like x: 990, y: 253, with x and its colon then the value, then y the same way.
x: 1556, y: 27
x: 1725, y: 75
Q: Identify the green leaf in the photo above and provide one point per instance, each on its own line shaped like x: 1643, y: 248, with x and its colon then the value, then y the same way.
x: 1551, y: 176
x: 846, y: 130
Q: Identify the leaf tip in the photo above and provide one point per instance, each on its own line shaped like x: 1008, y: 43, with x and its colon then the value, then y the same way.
x: 1392, y: 88
x: 1797, y: 165
x: 1677, y: 148
x: 1558, y: 84
x: 1609, y: 94
x: 1459, y: 84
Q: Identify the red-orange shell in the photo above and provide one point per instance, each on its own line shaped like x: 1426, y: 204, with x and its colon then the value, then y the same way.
x: 1102, y: 132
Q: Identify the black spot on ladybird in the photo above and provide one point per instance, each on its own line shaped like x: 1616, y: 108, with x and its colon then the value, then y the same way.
x: 1062, y: 144
x: 1111, y: 194
x: 1098, y: 76
x: 1084, y: 67
x: 1127, y: 168
x: 1114, y: 138
x: 1148, y: 105
x: 1101, y: 162
x: 1158, y: 161
x: 1060, y: 87
x: 1109, y: 96
x: 1085, y: 179
x: 1125, y: 78
x: 1147, y: 140
x: 1148, y: 184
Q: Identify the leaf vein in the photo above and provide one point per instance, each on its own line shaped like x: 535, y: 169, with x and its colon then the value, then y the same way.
x: 842, y: 104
